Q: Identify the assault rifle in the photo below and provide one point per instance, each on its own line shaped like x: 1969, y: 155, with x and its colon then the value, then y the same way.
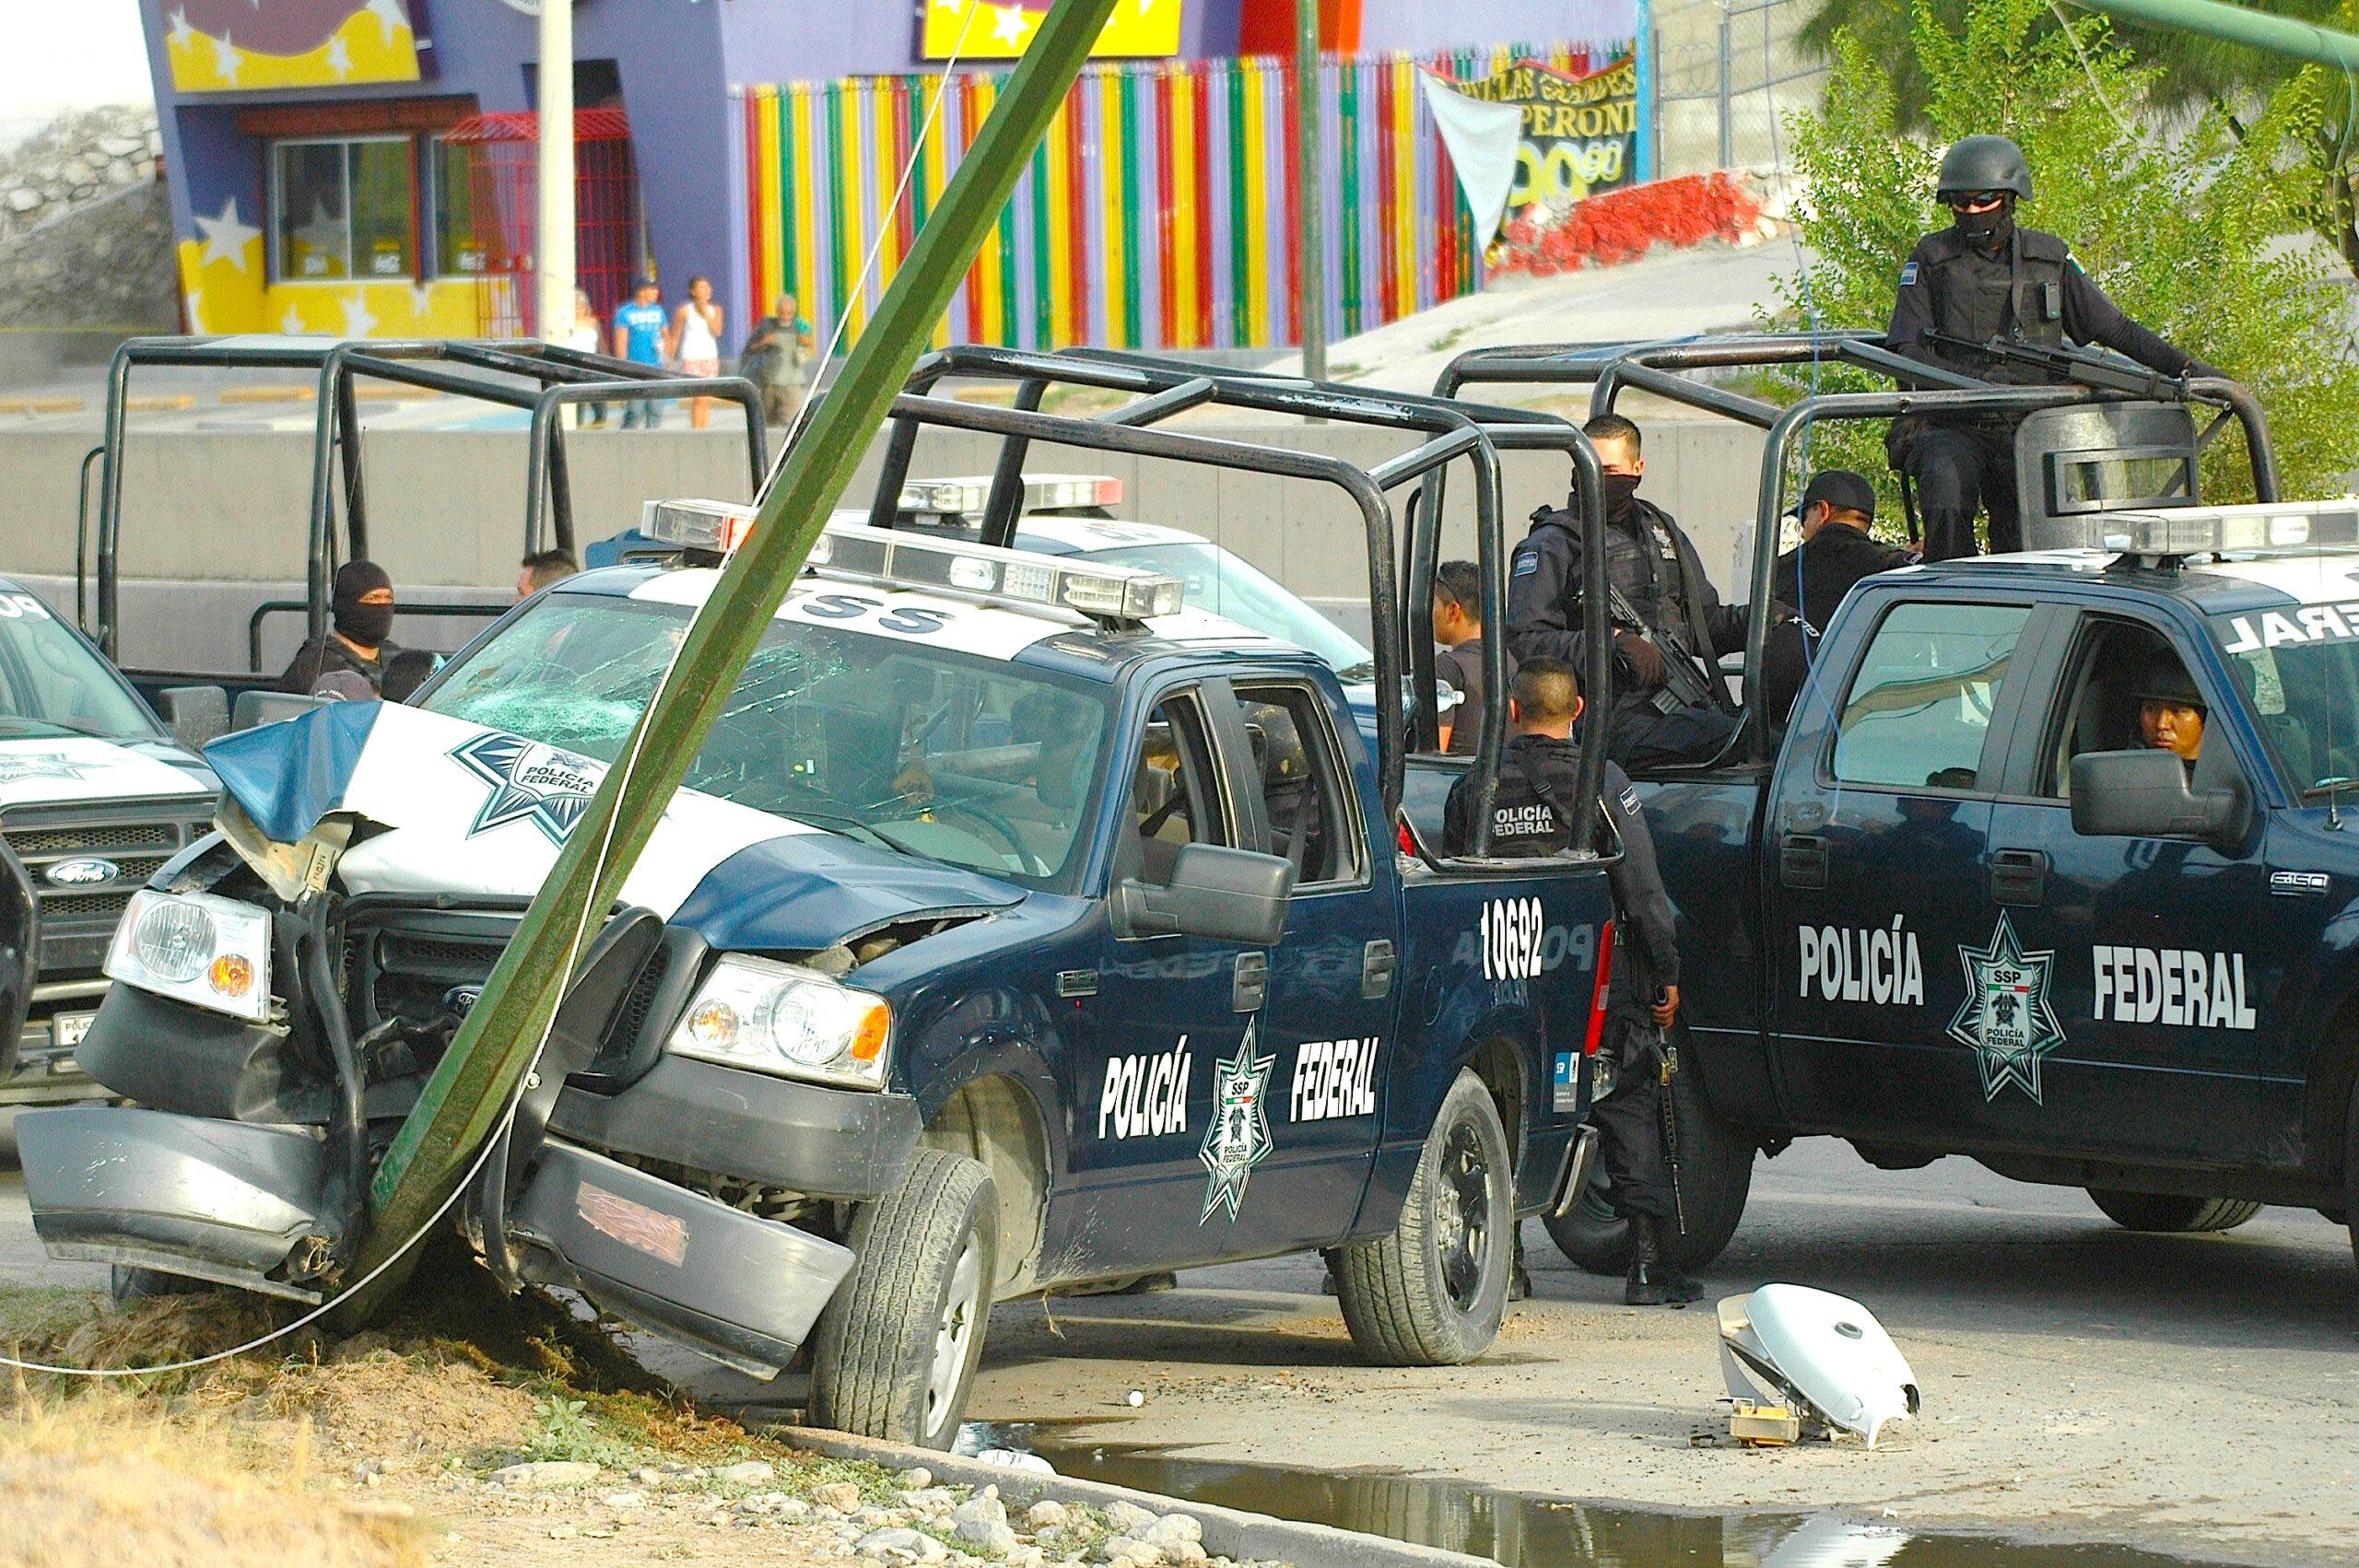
x: 1683, y: 683
x: 2105, y: 372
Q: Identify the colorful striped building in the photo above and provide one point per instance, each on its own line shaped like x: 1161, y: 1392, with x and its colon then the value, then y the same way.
x: 362, y: 166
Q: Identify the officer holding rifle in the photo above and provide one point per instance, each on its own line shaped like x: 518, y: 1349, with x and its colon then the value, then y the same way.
x: 1669, y: 626
x: 1982, y: 279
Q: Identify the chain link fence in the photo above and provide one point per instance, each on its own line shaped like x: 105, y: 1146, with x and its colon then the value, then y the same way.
x: 1726, y: 73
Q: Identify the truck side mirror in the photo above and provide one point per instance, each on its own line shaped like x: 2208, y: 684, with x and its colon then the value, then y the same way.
x: 2143, y: 794
x: 193, y: 714
x: 1219, y: 894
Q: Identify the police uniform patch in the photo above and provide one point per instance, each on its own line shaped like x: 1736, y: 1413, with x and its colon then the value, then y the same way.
x: 1629, y: 799
x: 1907, y: 273
x: 1526, y: 563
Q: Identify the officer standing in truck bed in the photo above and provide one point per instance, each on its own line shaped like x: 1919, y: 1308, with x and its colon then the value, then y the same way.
x: 1984, y: 277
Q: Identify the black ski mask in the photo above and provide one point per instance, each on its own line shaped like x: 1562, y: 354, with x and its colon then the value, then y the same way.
x: 1621, y: 496
x: 1988, y: 231
x: 366, y: 624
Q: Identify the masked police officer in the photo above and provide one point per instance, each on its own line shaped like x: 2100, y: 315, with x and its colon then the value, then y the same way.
x: 1654, y: 565
x: 1534, y: 811
x: 1980, y: 278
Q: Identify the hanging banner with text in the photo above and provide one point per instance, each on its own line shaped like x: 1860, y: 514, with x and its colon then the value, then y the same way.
x: 1580, y: 133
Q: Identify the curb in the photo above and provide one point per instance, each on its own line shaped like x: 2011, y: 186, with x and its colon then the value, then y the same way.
x: 1228, y: 1532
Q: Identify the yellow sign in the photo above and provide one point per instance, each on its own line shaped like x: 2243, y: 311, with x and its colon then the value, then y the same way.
x: 228, y: 45
x: 998, y: 30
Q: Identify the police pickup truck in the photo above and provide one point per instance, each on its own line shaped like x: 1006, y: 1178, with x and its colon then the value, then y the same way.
x: 1975, y: 905
x: 94, y: 796
x: 1020, y: 928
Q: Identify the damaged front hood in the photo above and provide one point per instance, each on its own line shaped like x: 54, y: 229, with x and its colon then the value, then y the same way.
x: 446, y: 807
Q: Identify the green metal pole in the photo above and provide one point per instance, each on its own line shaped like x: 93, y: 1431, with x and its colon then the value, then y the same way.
x: 2238, y: 24
x: 472, y: 1086
x: 1310, y: 247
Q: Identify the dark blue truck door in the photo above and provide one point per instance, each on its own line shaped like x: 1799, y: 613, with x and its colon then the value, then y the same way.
x: 1328, y: 1021
x: 2166, y: 970
x: 1168, y: 1014
x: 1874, y: 842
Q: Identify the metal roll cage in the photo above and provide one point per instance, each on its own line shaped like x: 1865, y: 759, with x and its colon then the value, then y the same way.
x: 1450, y: 430
x: 1656, y: 365
x: 557, y: 376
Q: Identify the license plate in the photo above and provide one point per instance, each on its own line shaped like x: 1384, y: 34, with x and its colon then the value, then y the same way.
x: 71, y: 1028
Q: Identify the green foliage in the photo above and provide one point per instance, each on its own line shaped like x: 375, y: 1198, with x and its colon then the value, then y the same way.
x: 2188, y: 232
x: 563, y: 1429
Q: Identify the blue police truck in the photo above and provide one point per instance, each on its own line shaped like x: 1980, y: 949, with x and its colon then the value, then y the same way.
x: 1965, y: 898
x: 1018, y: 928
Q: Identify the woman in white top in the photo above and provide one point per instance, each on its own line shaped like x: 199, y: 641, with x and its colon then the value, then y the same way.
x: 588, y: 337
x: 695, y: 327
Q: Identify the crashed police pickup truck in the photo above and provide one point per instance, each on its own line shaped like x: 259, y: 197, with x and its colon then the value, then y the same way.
x: 94, y: 797
x: 1020, y: 928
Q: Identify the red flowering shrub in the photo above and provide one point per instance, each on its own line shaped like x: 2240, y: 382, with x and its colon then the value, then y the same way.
x: 1624, y: 225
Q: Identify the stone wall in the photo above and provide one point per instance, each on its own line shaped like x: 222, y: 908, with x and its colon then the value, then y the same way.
x: 85, y: 227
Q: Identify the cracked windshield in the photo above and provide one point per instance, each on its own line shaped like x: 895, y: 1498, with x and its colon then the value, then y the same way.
x: 897, y: 744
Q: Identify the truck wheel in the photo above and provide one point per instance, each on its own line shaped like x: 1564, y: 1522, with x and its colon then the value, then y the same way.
x: 1715, y: 1179
x: 897, y: 1349
x: 1432, y: 1292
x: 2170, y: 1213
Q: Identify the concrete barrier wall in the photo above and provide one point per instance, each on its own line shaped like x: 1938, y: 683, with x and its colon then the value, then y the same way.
x: 215, y: 522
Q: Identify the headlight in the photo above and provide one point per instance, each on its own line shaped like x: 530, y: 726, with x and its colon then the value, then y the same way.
x: 778, y: 1018
x: 192, y: 947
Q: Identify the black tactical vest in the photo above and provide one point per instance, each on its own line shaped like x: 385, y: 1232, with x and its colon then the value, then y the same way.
x: 2019, y: 293
x: 1532, y: 803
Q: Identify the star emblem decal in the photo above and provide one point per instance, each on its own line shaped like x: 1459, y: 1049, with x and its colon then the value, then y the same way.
x: 530, y: 782
x: 40, y: 765
x: 1239, y: 1137
x: 2006, y: 1018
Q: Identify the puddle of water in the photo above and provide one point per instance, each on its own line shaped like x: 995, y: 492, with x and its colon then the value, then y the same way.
x: 1526, y: 1531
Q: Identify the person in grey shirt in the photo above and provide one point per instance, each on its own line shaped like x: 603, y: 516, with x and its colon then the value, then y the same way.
x: 1458, y: 627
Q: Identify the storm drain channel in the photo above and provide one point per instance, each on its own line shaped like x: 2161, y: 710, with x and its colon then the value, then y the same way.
x: 1521, y: 1530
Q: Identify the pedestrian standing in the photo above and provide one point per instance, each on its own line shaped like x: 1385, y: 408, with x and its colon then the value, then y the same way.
x: 642, y: 337
x: 696, y: 340
x: 589, y: 338
x: 776, y: 351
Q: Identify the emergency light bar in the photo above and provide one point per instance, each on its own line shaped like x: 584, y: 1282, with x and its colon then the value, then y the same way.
x: 905, y: 560
x: 966, y: 495
x: 2206, y: 531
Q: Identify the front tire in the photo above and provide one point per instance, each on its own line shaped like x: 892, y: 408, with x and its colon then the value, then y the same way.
x: 1715, y: 1180
x: 1431, y: 1293
x: 2169, y: 1213
x: 897, y: 1349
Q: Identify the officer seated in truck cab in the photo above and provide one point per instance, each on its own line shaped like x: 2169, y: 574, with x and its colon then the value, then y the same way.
x: 2171, y: 712
x: 2134, y: 692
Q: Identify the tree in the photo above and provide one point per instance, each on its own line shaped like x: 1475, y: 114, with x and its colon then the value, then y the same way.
x: 2190, y: 71
x: 2187, y: 231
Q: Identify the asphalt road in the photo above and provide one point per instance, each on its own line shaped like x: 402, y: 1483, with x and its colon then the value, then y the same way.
x: 2193, y: 1394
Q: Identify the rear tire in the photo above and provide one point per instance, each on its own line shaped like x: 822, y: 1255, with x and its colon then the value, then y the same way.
x: 1715, y: 1180
x: 1431, y: 1293
x: 896, y: 1351
x: 2170, y: 1214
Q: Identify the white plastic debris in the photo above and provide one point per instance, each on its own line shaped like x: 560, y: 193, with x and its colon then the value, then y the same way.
x: 1015, y: 1459
x: 1822, y: 1357
x: 1138, y: 1398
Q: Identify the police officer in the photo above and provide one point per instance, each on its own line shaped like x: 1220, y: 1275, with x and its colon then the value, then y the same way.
x: 2171, y: 712
x: 1533, y: 811
x: 1655, y: 566
x: 1836, y: 550
x: 1984, y: 277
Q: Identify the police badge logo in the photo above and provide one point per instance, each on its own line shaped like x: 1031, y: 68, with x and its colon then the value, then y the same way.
x: 530, y: 782
x: 2006, y: 1018
x: 16, y: 765
x: 1239, y: 1137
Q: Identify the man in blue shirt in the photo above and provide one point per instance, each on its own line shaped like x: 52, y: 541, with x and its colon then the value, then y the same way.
x: 644, y: 337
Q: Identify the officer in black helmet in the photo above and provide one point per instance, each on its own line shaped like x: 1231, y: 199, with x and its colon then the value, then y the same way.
x: 1980, y: 278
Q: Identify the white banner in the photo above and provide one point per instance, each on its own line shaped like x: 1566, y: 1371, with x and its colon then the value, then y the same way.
x: 1483, y: 140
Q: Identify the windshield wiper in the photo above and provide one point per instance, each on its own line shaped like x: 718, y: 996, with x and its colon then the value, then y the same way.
x: 64, y: 726
x: 837, y: 824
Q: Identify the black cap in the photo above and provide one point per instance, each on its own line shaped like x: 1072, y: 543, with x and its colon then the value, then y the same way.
x: 1842, y: 489
x: 2163, y: 679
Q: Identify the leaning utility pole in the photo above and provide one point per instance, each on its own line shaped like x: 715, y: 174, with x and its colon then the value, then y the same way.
x: 555, y: 173
x: 2239, y: 24
x: 1311, y: 246
x: 474, y: 1085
